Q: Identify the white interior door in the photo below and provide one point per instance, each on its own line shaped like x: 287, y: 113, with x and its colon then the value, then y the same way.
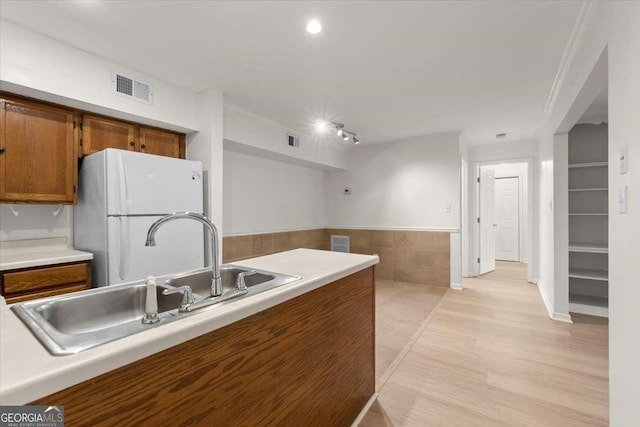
x: 487, y: 229
x: 507, y: 219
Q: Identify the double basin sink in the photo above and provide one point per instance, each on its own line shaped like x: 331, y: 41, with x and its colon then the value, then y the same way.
x: 69, y: 324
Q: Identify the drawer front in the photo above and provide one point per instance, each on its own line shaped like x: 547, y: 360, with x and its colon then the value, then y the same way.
x: 44, y: 294
x: 38, y: 278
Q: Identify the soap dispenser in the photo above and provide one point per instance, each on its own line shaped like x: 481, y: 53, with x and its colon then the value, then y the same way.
x: 151, y: 303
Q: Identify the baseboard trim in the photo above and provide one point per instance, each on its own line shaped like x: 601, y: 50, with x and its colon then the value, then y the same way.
x: 562, y: 317
x: 547, y: 304
x: 457, y: 286
x: 364, y: 410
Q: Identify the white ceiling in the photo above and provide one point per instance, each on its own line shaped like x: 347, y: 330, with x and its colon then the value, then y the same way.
x: 388, y: 70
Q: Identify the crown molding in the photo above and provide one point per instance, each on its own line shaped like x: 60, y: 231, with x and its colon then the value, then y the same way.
x: 573, y: 44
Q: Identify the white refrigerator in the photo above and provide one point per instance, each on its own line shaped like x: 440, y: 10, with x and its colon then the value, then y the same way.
x: 120, y: 194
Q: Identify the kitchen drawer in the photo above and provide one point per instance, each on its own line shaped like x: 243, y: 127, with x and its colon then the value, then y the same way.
x: 20, y: 281
x: 45, y: 293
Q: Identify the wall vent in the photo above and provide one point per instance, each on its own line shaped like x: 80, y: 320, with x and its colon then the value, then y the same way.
x: 340, y: 243
x: 132, y: 88
x: 293, y: 141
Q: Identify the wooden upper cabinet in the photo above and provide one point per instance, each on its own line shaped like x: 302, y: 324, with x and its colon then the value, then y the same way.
x: 99, y: 133
x: 38, y: 153
x: 160, y: 142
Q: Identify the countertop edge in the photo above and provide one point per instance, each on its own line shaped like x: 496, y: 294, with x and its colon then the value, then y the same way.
x: 45, y: 259
x: 108, y: 357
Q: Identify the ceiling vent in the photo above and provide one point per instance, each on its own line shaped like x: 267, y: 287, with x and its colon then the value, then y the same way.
x: 293, y: 141
x: 131, y: 88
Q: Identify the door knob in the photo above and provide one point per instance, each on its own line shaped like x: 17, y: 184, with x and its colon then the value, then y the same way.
x: 132, y: 143
x: 1, y: 150
x: 143, y: 146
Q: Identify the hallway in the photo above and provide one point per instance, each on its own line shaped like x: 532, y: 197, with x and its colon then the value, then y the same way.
x: 490, y: 356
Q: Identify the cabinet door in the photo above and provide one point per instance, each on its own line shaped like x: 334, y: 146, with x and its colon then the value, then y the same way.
x: 160, y: 142
x: 99, y: 133
x: 38, y: 155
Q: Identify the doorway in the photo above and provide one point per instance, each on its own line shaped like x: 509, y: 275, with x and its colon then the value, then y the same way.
x: 503, y: 211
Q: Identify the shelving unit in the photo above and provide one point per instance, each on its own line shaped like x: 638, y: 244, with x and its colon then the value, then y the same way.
x: 587, y: 189
x: 588, y: 248
x: 588, y: 220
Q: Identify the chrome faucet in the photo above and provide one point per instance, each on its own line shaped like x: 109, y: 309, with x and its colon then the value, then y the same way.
x: 216, y: 282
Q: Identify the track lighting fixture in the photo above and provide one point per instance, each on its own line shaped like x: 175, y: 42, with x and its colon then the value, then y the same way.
x: 322, y: 126
x: 345, y: 134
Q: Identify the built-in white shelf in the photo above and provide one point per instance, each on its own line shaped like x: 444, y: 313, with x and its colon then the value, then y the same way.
x: 588, y: 189
x: 595, y: 248
x: 589, y: 213
x: 585, y: 273
x: 589, y: 165
x: 584, y: 304
x: 588, y: 274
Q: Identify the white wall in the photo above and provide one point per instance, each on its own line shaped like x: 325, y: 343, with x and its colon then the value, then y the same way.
x: 35, y: 65
x: 206, y: 146
x: 624, y: 229
x: 407, y: 184
x: 560, y: 308
x: 35, y: 222
x: 519, y: 170
x: 403, y: 184
x: 614, y: 27
x: 263, y: 195
x: 545, y: 222
x: 258, y: 136
x: 466, y: 226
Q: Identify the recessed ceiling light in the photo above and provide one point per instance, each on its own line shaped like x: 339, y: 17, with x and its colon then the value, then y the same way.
x: 313, y: 27
x: 321, y: 126
x: 501, y: 135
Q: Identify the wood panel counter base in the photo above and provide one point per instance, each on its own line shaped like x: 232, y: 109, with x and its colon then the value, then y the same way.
x: 307, y: 361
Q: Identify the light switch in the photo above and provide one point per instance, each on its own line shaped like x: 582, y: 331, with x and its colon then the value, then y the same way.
x: 624, y: 161
x: 622, y: 200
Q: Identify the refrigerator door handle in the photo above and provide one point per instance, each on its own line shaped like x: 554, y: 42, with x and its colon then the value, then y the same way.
x: 123, y: 265
x: 124, y: 192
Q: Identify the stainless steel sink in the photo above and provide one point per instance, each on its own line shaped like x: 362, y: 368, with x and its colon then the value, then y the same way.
x: 69, y: 324
x: 102, y: 310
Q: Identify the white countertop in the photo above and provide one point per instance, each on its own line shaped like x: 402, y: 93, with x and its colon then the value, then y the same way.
x: 28, y: 371
x: 16, y: 254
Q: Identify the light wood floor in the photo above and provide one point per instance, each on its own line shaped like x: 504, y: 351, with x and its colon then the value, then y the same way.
x: 490, y: 356
x: 401, y: 309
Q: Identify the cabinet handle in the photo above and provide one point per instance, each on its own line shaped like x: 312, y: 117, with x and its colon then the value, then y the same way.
x: 132, y: 143
x: 143, y: 146
x: 1, y: 150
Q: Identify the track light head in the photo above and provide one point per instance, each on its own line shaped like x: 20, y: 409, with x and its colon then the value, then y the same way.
x: 345, y: 134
